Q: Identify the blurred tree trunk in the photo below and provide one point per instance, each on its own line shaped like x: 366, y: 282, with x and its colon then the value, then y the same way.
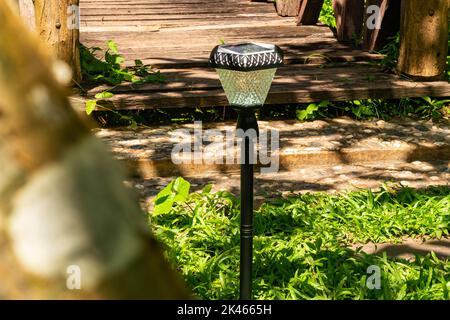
x: 423, y: 39
x: 26, y: 9
x: 57, y: 23
x: 65, y: 214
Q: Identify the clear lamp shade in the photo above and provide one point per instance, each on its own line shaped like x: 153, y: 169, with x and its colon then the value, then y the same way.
x: 246, y: 88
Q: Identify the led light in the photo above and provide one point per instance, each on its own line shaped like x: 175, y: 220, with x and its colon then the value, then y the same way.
x: 246, y: 89
x: 246, y: 71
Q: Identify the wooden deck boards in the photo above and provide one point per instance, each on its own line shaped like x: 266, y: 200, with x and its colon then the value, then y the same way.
x: 177, y: 36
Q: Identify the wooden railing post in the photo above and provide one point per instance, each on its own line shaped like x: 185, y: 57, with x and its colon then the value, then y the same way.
x: 423, y: 39
x: 349, y: 19
x: 309, y: 12
x: 53, y: 25
x: 382, y: 21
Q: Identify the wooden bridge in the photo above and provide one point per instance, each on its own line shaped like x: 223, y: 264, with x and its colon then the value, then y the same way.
x: 176, y: 36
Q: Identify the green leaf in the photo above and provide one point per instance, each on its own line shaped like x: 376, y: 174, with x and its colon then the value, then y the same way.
x: 133, y: 125
x: 207, y: 189
x: 308, y: 112
x: 301, y: 114
x: 181, y: 187
x: 176, y: 191
x: 90, y: 106
x: 104, y: 95
x: 127, y: 76
x: 427, y: 99
x: 110, y: 59
x: 119, y: 59
x: 138, y: 63
x: 324, y: 104
x: 113, y: 46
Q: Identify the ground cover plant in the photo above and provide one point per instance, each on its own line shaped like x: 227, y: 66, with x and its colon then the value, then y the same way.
x: 302, y: 243
x: 107, y: 67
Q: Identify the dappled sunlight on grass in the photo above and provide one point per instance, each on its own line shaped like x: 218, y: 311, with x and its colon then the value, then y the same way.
x: 302, y: 244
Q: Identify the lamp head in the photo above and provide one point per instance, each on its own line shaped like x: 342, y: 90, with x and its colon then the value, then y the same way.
x: 246, y: 71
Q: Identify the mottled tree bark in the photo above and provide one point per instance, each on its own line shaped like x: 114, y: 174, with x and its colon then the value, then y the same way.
x: 62, y: 199
x: 423, y: 39
x: 57, y: 23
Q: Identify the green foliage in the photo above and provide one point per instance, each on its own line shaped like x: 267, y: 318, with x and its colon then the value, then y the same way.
x: 391, y: 53
x: 424, y: 108
x: 363, y: 110
x: 109, y: 70
x: 302, y: 244
x: 416, y: 108
x: 104, y: 95
x: 434, y: 109
x: 175, y: 191
x: 312, y: 110
x: 91, y: 105
x: 327, y: 14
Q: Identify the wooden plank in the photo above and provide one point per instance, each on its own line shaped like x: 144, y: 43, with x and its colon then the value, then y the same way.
x: 307, y: 44
x: 309, y: 12
x: 207, y: 79
x: 277, y: 95
x: 379, y: 30
x: 349, y: 19
x: 287, y: 8
x: 296, y: 84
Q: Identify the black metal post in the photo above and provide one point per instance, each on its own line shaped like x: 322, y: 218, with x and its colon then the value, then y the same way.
x: 247, y: 121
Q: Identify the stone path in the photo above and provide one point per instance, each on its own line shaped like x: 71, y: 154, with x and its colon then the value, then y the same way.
x: 309, y: 179
x: 318, y: 143
x: 328, y: 156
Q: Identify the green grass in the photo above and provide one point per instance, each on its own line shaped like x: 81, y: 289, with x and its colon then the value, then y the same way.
x: 302, y: 244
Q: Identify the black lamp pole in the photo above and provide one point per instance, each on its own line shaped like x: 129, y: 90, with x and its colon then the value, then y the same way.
x: 246, y: 121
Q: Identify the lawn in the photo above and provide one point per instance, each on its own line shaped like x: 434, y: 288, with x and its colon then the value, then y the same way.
x: 303, y: 243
